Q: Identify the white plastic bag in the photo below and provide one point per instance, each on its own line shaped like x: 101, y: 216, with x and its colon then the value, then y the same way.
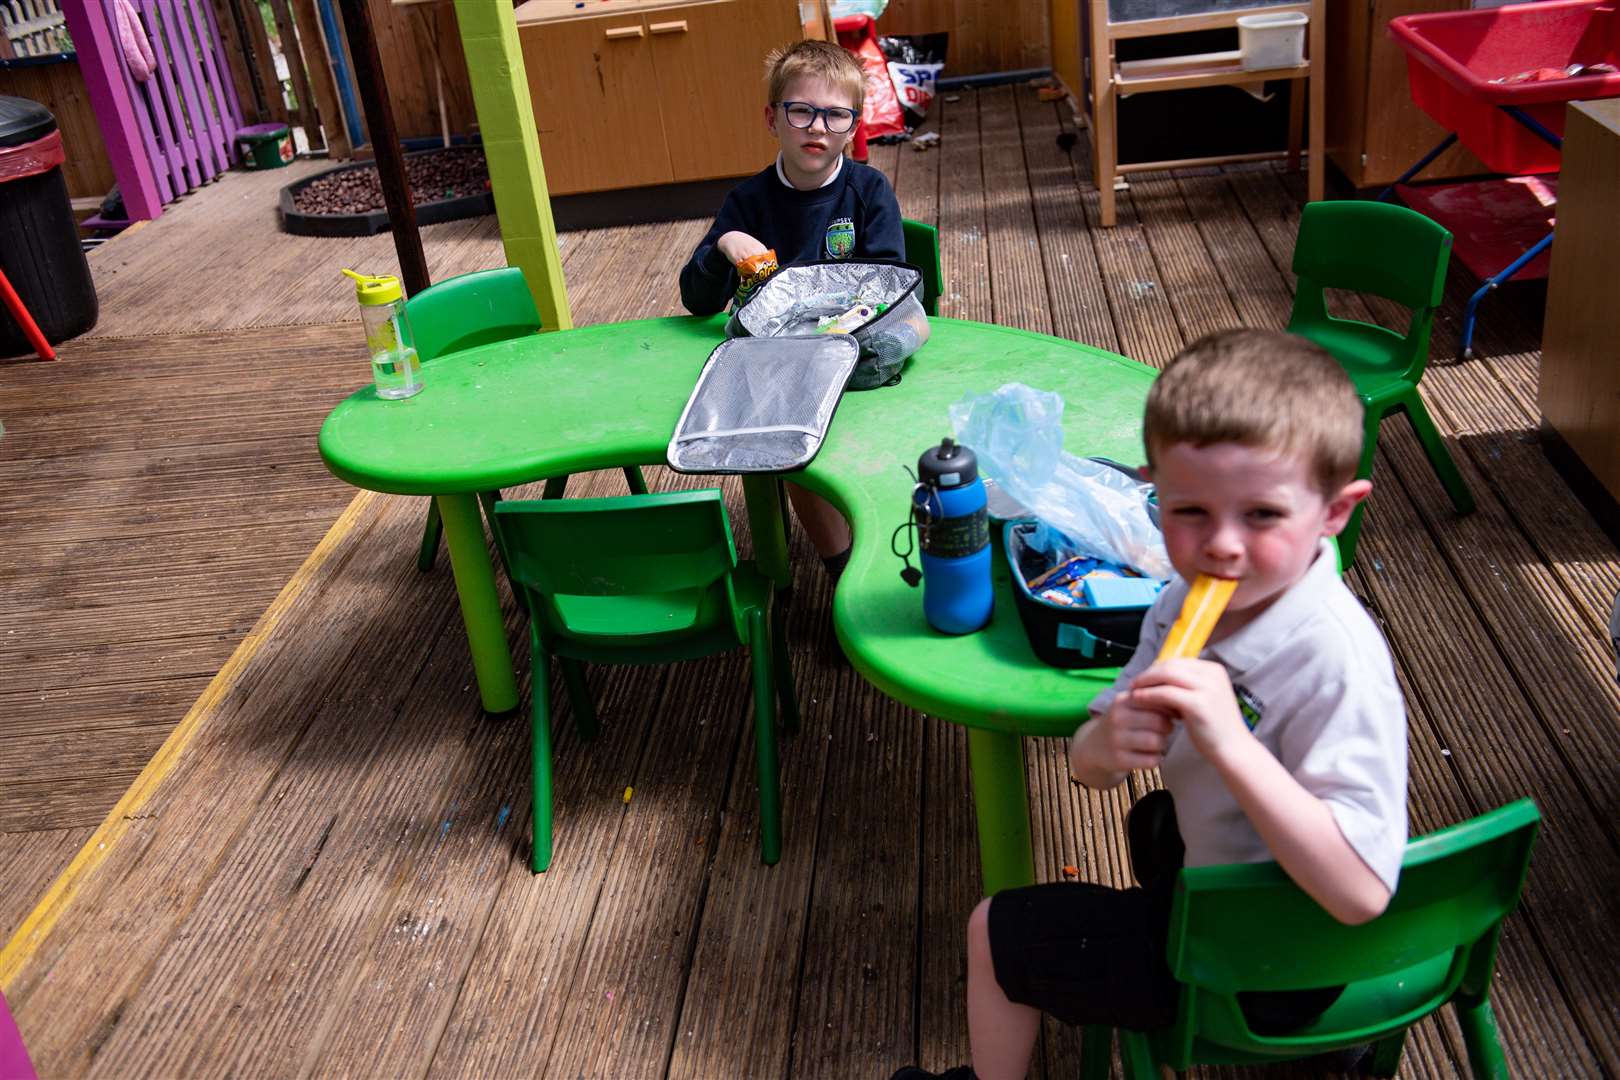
x: 1017, y: 435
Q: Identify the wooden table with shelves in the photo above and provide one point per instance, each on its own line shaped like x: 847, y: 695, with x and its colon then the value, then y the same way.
x: 1109, y: 78
x: 629, y: 93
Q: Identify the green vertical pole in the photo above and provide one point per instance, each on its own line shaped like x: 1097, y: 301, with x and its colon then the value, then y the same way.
x: 512, y: 147
x: 1001, y: 803
x: 480, y: 603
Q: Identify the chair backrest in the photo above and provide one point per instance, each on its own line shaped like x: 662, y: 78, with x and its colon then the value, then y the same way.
x: 1373, y: 247
x: 922, y: 251
x: 1249, y: 928
x: 625, y: 546
x: 471, y: 309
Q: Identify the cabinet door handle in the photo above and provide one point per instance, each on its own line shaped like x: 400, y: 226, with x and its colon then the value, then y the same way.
x: 623, y: 32
x: 677, y: 27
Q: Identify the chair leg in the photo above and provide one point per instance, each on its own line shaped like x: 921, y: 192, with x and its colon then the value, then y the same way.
x: 540, y: 752
x: 555, y: 487
x: 1387, y: 1055
x: 431, y: 531
x: 579, y: 696
x: 1136, y: 1056
x: 766, y: 766
x: 1352, y: 529
x: 787, y: 699
x: 1439, y: 457
x: 1478, y: 1024
x: 1096, y: 1050
x: 633, y: 477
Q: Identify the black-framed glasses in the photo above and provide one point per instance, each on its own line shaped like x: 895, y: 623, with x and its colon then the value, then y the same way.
x: 801, y: 114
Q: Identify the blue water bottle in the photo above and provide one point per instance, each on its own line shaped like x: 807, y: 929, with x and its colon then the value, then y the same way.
x: 954, y: 525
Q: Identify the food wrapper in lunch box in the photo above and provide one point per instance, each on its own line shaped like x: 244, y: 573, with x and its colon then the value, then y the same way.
x: 762, y: 404
x: 807, y: 299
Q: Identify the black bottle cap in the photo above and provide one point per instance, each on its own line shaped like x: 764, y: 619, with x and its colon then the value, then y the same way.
x: 947, y: 465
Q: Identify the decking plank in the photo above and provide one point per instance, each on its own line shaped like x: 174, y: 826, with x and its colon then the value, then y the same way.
x: 1017, y: 276
x: 28, y: 862
x: 965, y: 292
x: 73, y: 991
x: 1074, y: 281
x: 1144, y: 323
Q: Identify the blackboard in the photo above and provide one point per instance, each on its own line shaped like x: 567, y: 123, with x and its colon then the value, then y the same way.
x: 1131, y: 10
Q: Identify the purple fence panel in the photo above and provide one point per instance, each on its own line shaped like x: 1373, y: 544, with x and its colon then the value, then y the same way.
x: 148, y: 98
x: 165, y: 166
x: 222, y: 77
x: 198, y: 112
x: 217, y: 95
x: 166, y: 97
x: 116, y: 113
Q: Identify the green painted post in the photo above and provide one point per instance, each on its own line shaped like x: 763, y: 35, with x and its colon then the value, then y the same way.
x: 512, y: 147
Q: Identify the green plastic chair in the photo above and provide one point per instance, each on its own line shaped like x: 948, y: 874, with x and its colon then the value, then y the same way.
x: 922, y: 251
x: 461, y: 313
x: 643, y: 579
x: 1249, y: 928
x: 1398, y: 254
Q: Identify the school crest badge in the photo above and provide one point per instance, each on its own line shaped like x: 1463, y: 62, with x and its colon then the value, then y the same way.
x: 1251, y: 708
x: 840, y: 238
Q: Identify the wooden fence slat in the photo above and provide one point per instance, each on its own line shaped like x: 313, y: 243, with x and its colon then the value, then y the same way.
x: 307, y: 113
x: 221, y: 72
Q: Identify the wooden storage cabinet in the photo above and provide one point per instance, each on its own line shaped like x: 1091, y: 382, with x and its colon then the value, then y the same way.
x: 651, y: 92
x: 1374, y: 131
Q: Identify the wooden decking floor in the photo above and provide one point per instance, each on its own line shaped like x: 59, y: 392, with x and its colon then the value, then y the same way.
x: 330, y: 877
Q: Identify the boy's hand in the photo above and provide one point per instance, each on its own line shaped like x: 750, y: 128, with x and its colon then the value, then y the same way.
x: 737, y: 246
x: 1198, y: 694
x: 1130, y: 737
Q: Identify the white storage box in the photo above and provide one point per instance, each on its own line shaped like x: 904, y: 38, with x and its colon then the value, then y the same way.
x: 1272, y: 41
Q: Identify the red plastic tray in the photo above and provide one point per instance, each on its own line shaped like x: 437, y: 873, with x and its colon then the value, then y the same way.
x: 1452, y: 56
x: 1492, y: 222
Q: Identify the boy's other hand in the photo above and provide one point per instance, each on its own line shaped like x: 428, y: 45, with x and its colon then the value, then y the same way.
x: 1131, y: 737
x: 1199, y: 695
x: 737, y: 246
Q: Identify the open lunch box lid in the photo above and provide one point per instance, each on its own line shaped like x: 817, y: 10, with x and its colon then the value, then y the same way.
x: 762, y: 404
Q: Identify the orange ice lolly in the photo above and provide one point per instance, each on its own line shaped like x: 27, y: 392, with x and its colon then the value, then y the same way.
x: 1200, y: 611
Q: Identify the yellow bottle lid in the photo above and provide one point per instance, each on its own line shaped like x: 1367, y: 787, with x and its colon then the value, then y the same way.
x: 372, y: 290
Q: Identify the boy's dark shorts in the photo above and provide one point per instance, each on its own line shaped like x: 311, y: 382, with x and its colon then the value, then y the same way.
x: 1090, y: 954
x: 1085, y: 954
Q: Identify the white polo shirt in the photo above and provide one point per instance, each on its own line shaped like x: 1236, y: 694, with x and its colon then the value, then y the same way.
x: 1316, y: 683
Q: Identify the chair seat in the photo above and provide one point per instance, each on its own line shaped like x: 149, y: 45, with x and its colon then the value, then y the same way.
x: 1372, y: 356
x: 641, y: 619
x: 680, y: 623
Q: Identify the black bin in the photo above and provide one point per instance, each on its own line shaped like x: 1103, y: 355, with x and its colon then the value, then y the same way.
x: 39, y: 241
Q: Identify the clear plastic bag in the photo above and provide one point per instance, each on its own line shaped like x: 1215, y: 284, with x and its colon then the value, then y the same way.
x: 1089, y: 507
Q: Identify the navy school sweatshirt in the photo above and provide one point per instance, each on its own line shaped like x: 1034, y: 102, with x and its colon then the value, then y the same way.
x: 856, y: 216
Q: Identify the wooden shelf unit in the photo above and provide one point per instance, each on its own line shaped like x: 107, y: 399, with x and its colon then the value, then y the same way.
x: 632, y: 93
x: 1109, y: 77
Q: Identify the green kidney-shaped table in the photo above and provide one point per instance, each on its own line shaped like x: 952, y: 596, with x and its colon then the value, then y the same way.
x: 606, y: 396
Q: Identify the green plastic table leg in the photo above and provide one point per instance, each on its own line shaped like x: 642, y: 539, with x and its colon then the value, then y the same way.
x: 764, y: 495
x: 1001, y: 801
x: 480, y: 603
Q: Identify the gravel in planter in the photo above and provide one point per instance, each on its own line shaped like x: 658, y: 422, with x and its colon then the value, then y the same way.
x: 435, y: 176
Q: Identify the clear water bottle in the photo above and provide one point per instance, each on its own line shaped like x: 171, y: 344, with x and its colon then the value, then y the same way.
x: 954, y: 522
x: 394, y: 366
